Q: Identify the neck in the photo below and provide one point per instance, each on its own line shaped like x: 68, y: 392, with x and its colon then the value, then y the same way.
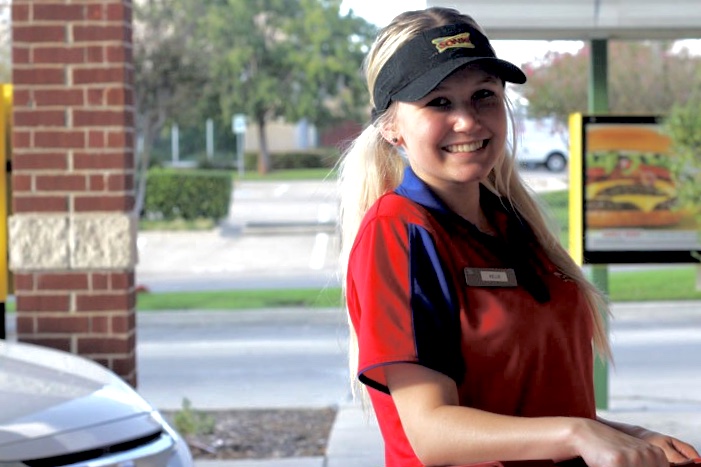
x: 466, y: 204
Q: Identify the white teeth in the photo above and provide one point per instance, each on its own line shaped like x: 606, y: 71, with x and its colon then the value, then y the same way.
x: 465, y: 147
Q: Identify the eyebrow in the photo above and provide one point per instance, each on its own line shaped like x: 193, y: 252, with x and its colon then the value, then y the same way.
x: 487, y: 79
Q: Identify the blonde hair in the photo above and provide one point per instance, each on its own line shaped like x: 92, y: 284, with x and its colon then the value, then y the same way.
x: 372, y: 167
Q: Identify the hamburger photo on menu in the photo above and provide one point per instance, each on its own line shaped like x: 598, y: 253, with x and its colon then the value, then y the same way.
x: 628, y: 180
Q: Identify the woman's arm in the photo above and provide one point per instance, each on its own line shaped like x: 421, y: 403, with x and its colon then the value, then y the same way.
x: 674, y: 449
x: 443, y: 433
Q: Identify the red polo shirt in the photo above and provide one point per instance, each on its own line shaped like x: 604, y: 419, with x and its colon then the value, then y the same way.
x: 491, y: 312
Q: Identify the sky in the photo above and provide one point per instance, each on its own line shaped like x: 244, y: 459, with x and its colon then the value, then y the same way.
x: 381, y: 12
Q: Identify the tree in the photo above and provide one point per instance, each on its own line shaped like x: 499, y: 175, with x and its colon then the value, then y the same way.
x: 287, y: 59
x: 644, y: 78
x: 170, y: 75
x: 332, y: 49
x: 557, y: 87
x: 683, y: 125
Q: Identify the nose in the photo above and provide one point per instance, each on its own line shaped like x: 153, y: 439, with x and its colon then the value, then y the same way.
x: 465, y: 119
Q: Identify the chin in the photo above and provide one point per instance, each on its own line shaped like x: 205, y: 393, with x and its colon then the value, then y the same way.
x: 471, y: 174
x: 464, y: 180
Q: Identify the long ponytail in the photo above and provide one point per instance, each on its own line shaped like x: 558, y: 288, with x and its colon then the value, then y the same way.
x: 370, y: 167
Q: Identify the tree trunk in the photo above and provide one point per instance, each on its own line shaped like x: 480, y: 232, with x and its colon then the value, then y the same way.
x: 150, y: 126
x: 263, y: 154
x: 142, y: 173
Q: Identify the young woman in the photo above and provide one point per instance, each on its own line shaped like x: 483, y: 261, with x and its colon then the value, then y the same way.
x: 471, y: 326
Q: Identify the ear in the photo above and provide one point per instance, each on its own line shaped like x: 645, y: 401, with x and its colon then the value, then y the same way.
x: 391, y: 136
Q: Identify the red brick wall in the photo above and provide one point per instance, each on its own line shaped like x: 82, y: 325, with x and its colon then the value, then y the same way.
x: 73, y: 154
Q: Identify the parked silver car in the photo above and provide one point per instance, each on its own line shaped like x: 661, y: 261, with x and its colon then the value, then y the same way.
x: 59, y: 409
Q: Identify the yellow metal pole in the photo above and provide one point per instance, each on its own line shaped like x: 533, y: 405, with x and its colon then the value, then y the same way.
x: 576, y: 193
x: 5, y: 132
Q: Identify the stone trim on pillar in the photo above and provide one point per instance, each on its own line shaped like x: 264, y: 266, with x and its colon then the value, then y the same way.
x: 72, y: 234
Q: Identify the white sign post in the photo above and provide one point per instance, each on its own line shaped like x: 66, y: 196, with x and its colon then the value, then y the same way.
x: 238, y: 126
x: 210, y: 138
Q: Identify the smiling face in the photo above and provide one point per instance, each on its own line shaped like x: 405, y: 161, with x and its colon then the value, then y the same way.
x: 454, y: 135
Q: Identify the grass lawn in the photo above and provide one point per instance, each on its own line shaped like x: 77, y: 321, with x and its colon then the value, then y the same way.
x: 292, y: 174
x: 177, y: 225
x: 677, y: 283
x: 240, y: 299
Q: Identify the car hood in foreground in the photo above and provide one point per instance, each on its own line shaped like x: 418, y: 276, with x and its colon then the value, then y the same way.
x: 52, y: 402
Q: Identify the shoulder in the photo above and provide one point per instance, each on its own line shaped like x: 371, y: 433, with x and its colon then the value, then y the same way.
x: 393, y: 216
x: 394, y: 206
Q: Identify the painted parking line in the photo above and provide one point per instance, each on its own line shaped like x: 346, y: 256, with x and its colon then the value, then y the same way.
x: 317, y: 259
x: 281, y: 190
x: 325, y: 213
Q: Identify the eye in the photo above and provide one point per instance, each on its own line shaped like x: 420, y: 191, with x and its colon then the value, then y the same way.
x: 485, y: 99
x: 483, y: 94
x: 440, y: 102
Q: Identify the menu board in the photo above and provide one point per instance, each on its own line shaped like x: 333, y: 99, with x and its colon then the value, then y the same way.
x: 627, y: 186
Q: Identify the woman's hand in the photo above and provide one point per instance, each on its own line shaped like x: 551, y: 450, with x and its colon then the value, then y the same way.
x: 601, y: 445
x: 675, y: 450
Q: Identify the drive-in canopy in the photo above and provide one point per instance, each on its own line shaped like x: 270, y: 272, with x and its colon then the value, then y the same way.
x: 584, y: 19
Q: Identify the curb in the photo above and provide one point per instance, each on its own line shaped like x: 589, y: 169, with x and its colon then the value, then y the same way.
x: 287, y: 462
x: 281, y: 228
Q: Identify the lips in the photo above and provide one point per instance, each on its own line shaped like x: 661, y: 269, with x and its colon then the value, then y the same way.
x: 466, y: 147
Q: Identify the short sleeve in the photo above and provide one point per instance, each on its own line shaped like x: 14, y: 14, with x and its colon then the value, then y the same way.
x: 401, y: 301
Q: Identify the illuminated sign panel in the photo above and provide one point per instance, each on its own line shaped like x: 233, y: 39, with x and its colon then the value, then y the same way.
x: 624, y: 194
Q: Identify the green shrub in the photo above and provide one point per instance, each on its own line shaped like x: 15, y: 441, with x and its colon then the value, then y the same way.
x: 187, y: 194
x: 683, y: 125
x: 190, y: 422
x: 322, y: 158
x: 218, y: 161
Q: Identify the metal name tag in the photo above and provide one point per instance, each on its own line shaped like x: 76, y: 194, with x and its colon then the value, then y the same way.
x: 490, y: 277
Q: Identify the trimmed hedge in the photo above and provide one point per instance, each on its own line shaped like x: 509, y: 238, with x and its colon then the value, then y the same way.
x: 324, y: 158
x: 187, y: 194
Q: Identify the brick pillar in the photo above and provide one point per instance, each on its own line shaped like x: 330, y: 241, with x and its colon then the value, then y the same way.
x: 73, y: 232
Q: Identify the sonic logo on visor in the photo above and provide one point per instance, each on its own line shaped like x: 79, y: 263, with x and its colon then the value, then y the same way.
x: 461, y: 40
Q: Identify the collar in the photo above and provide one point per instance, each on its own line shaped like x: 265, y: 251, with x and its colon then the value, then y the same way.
x: 415, y: 189
x: 515, y: 239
